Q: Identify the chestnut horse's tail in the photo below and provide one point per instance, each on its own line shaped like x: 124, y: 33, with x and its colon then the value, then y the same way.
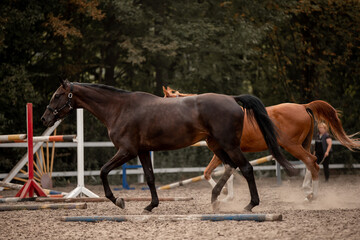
x: 323, y: 111
x: 256, y: 109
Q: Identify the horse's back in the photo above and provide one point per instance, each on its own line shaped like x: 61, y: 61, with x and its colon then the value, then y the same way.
x: 292, y: 122
x: 178, y: 122
x: 167, y: 123
x: 291, y: 119
x: 289, y: 113
x: 215, y: 104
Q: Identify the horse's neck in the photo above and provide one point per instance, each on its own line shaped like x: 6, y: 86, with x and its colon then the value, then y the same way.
x: 97, y: 103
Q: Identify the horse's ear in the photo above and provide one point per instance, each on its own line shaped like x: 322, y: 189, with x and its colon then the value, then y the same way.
x: 166, y: 92
x: 63, y: 82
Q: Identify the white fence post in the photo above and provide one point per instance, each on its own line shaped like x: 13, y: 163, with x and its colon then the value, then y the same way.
x: 80, y: 189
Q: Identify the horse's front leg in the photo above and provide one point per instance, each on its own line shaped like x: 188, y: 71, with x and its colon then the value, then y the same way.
x: 145, y: 160
x: 121, y: 157
x: 311, y: 191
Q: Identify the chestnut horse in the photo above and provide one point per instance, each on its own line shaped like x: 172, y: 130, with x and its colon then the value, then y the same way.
x: 139, y: 122
x: 295, y: 124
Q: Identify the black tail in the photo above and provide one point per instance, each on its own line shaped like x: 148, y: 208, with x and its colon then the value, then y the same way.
x: 256, y: 109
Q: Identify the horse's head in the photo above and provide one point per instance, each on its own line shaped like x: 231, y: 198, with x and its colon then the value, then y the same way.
x: 169, y: 92
x: 60, y: 104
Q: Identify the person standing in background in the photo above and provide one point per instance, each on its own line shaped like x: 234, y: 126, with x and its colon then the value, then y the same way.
x: 323, y: 148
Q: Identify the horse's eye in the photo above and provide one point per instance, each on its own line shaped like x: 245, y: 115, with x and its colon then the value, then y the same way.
x: 58, y: 95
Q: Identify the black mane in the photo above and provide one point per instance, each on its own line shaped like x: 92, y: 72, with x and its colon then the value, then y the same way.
x: 102, y: 86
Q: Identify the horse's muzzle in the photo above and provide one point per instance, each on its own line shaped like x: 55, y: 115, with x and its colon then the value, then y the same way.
x: 48, y: 122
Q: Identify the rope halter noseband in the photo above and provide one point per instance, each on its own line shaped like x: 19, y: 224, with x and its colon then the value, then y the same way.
x: 67, y: 104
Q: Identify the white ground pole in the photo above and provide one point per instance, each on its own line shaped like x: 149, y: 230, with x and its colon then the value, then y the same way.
x: 80, y: 190
x: 24, y: 159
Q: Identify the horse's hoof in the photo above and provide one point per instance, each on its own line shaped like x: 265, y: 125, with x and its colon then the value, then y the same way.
x: 248, y: 208
x: 150, y: 207
x: 216, y: 206
x: 120, y: 203
x: 145, y: 211
x: 309, y: 197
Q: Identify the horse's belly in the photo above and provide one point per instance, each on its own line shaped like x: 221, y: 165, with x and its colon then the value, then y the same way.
x: 170, y: 139
x: 253, y: 144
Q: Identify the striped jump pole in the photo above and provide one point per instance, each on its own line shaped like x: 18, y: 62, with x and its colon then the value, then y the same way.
x: 16, y: 199
x: 12, y: 138
x: 57, y: 138
x: 53, y: 192
x: 253, y: 163
x: 205, y: 217
x: 41, y: 207
x: 200, y: 144
x: 262, y: 160
x: 181, y: 183
x: 19, y: 186
x: 215, y: 174
x: 19, y: 138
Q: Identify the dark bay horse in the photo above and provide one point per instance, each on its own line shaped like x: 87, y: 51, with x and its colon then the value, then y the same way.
x: 295, y: 125
x: 139, y: 122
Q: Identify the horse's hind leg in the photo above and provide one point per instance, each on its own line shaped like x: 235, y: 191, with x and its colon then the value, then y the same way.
x: 312, y: 173
x: 122, y: 156
x: 228, y: 190
x: 214, y: 163
x: 307, y: 180
x: 150, y: 179
x: 308, y: 176
x: 219, y: 186
x: 230, y: 187
x: 312, y: 168
x: 236, y: 157
x: 247, y: 170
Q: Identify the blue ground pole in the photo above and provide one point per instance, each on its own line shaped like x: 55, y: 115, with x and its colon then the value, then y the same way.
x: 205, y: 217
x: 124, y: 181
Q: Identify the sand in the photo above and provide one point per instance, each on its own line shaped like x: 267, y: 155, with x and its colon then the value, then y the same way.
x: 335, y: 214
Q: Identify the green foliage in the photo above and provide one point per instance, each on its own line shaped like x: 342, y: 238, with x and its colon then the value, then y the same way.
x: 280, y: 50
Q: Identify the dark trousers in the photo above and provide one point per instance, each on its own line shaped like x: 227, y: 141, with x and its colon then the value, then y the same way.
x: 325, y: 164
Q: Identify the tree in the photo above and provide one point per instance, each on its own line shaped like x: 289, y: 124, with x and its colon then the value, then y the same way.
x: 280, y: 51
